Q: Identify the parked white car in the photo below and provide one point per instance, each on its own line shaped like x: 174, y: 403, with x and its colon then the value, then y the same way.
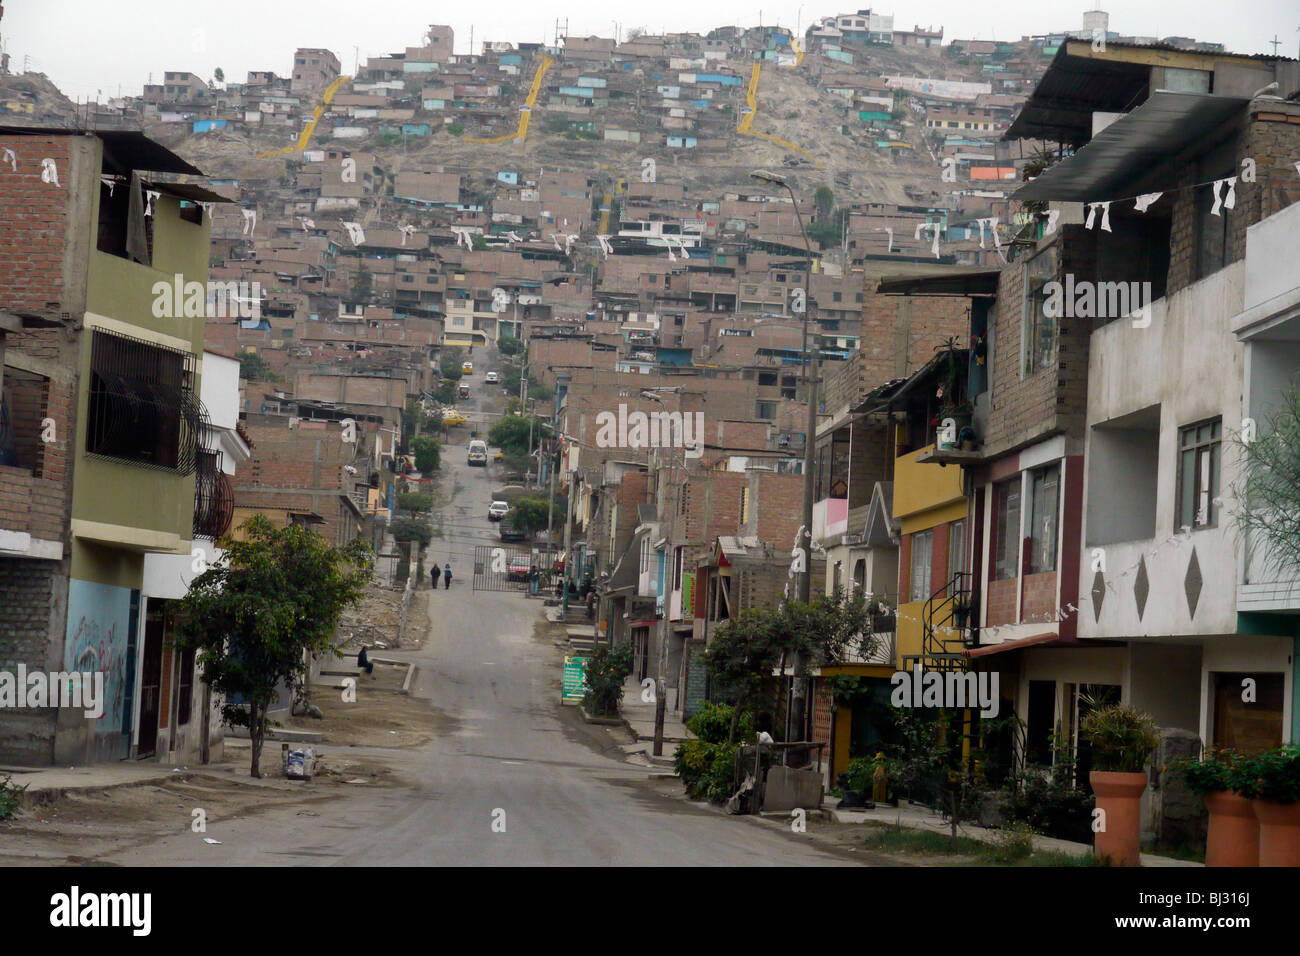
x: 497, y: 510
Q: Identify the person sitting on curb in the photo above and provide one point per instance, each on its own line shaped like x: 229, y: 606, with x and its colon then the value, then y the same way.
x: 364, y: 662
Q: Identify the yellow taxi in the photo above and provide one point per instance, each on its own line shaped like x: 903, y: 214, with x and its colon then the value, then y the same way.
x: 452, y: 418
x: 466, y: 368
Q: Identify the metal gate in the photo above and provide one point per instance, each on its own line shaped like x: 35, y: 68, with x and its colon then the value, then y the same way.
x: 504, y: 567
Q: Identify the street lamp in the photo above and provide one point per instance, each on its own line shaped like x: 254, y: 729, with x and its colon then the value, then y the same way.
x: 810, y: 382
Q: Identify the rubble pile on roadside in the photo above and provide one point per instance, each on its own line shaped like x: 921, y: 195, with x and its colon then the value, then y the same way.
x: 373, y: 620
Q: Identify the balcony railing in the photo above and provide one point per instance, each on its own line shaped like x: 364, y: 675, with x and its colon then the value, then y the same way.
x: 214, y: 498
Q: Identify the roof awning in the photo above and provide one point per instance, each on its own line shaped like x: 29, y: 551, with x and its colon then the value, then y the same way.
x: 1125, y: 151
x: 960, y: 282
x: 124, y: 149
x: 191, y: 191
x: 1037, y: 640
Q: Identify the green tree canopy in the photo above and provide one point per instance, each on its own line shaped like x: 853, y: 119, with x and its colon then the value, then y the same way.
x: 428, y: 454
x: 258, y: 616
x: 254, y: 368
x: 510, y: 434
x: 415, y: 502
x: 744, y: 649
x: 529, y: 514
x: 411, y: 529
x: 824, y: 198
x: 1268, y: 496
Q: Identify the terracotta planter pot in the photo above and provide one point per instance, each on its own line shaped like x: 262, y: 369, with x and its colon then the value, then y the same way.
x: 1234, y: 831
x: 1279, y: 833
x: 1120, y: 796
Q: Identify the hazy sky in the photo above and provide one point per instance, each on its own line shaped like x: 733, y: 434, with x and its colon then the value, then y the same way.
x: 86, y: 46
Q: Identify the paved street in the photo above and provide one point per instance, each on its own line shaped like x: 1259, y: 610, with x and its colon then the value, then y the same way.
x: 504, y: 744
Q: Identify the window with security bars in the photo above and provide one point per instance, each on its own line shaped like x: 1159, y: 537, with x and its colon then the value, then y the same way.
x: 142, y: 408
x: 214, y: 497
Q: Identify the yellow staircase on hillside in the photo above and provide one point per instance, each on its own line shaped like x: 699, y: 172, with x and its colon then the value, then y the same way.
x: 744, y: 127
x: 525, y: 111
x: 305, y: 136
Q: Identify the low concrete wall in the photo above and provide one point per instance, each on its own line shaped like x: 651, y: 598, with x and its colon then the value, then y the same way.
x: 788, y: 788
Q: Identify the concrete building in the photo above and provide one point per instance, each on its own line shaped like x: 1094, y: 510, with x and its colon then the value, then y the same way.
x: 1103, y: 560
x: 313, y: 70
x: 103, y: 426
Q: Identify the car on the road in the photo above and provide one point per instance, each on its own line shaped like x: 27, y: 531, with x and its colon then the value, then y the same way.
x: 518, y: 567
x: 463, y: 390
x: 492, y: 378
x: 451, y: 418
x: 508, y: 532
x: 477, y: 453
x: 467, y: 368
x: 497, y: 510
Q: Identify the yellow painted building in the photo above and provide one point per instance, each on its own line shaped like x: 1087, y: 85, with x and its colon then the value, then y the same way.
x: 930, y: 506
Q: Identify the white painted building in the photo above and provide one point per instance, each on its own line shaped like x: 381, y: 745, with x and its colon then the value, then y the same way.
x: 1160, y: 564
x: 174, y: 734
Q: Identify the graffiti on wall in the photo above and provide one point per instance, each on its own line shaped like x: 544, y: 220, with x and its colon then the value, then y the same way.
x: 99, y: 618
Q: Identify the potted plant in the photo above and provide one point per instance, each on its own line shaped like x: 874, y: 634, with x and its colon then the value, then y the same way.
x: 1233, y: 838
x: 961, y: 610
x: 1122, y: 740
x: 1271, y: 781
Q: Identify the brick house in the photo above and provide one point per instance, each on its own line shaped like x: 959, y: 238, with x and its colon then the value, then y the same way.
x: 101, y: 431
x: 1101, y: 556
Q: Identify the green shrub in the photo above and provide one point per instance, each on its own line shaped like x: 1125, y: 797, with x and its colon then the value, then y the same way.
x: 712, y: 723
x: 1051, y: 806
x: 9, y: 797
x: 1272, y: 775
x: 415, y: 501
x: 1122, y: 738
x: 1014, y: 842
x: 1211, y: 773
x: 721, y: 781
x: 861, y: 772
x: 606, y: 671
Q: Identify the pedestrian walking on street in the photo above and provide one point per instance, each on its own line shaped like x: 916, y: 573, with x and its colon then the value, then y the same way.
x: 436, y: 572
x: 446, y: 576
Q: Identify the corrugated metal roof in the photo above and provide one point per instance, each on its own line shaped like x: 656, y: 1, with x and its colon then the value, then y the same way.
x: 1072, y: 89
x: 1125, y: 151
x: 125, y: 149
x: 1078, y: 83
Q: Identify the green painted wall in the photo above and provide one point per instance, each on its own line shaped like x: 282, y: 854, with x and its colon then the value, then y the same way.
x: 1255, y: 622
x: 117, y: 493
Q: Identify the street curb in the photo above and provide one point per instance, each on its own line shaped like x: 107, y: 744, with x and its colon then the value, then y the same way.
x: 604, y: 721
x: 410, y: 670
x: 30, y: 798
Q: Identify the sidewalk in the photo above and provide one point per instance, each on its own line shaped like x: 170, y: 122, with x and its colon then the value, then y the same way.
x: 48, y: 783
x: 639, y: 715
x: 919, y: 818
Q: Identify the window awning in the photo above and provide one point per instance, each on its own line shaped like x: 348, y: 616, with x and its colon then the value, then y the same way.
x: 1118, y: 159
x: 1037, y: 640
x: 960, y: 282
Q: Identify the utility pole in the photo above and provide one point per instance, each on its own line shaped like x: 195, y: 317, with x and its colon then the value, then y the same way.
x: 798, y: 695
